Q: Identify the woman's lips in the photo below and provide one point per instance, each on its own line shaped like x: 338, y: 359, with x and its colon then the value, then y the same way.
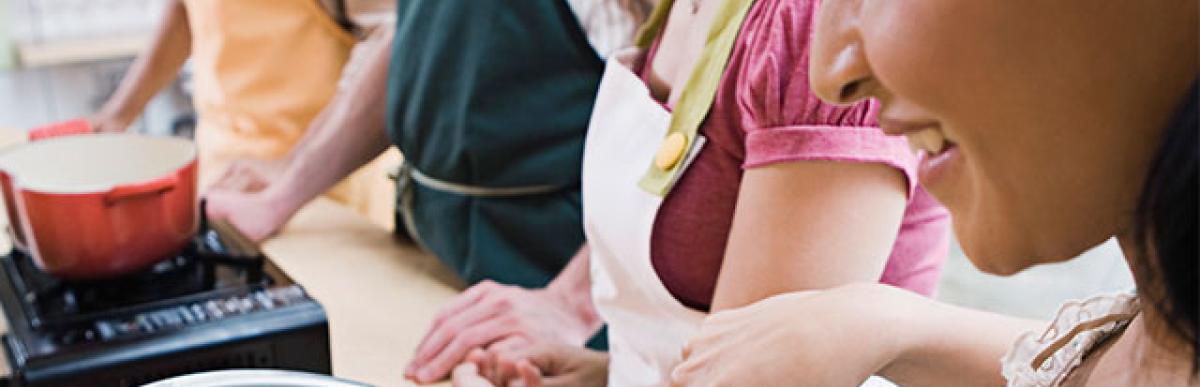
x: 938, y: 155
x: 935, y: 168
x: 900, y: 127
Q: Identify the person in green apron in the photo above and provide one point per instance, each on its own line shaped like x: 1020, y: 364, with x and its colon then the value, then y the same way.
x: 508, y: 208
x: 490, y: 118
x: 489, y: 102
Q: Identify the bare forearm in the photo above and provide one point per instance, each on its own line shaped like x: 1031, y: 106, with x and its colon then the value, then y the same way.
x: 155, y: 68
x: 317, y: 129
x: 842, y: 336
x: 574, y: 287
x: 350, y: 133
x: 376, y: 52
x: 955, y: 345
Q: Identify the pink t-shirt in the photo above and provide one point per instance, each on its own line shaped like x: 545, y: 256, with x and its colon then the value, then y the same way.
x: 765, y: 113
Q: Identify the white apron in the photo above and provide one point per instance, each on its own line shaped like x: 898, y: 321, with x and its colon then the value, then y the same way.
x: 647, y: 326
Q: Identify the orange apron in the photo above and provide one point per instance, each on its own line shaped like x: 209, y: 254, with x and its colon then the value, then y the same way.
x: 263, y: 70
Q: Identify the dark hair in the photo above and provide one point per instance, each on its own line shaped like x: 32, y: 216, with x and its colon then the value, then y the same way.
x: 1165, y: 227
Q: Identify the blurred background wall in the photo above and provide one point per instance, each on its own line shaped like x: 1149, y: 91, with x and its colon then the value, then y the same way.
x: 6, y: 54
x: 65, y: 57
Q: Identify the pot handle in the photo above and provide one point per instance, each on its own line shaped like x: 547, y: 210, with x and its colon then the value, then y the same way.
x: 152, y: 187
x: 65, y: 128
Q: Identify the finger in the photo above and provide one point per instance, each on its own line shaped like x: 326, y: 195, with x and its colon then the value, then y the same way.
x: 493, y: 370
x: 469, y: 297
x: 441, y: 335
x: 509, y: 345
x: 549, y: 358
x: 507, y: 348
x: 236, y: 181
x: 455, y: 312
x: 245, y: 180
x: 477, y: 335
x: 450, y: 345
x: 467, y: 375
x: 485, y: 364
x: 255, y: 184
x: 679, y: 377
x: 699, y: 365
x: 683, y: 372
x: 530, y: 375
x: 566, y: 380
x: 506, y: 368
x: 249, y: 179
x: 223, y: 181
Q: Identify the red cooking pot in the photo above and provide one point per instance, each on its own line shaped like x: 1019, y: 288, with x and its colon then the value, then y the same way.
x: 96, y: 206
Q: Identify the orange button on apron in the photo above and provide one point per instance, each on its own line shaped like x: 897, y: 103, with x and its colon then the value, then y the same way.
x: 671, y: 151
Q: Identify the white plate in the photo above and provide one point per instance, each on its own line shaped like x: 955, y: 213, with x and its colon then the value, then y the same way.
x: 258, y: 377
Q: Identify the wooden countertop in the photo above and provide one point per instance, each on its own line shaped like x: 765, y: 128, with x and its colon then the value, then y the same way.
x: 379, y: 293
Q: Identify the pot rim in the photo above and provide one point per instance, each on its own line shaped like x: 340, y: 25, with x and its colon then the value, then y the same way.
x: 180, y: 153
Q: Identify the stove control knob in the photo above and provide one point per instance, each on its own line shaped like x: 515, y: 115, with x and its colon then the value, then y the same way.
x: 214, y: 310
x: 107, y: 330
x: 186, y: 313
x: 168, y: 318
x: 287, y: 295
x: 158, y: 320
x: 264, y: 301
x: 230, y: 306
x: 198, y: 311
x: 144, y: 324
x: 245, y: 305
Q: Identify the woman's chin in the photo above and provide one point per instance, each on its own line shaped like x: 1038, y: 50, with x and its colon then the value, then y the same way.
x: 996, y: 255
x: 995, y: 267
x: 992, y: 254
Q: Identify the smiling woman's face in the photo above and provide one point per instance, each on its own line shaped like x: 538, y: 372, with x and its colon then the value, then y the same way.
x: 1039, y: 118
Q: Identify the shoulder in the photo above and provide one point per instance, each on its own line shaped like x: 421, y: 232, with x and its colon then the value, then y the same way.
x: 1044, y: 358
x: 770, y: 61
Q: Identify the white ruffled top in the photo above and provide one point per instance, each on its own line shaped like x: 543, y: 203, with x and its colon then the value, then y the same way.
x: 1075, y: 331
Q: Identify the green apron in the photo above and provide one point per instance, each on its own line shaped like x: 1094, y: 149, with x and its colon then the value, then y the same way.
x: 493, y: 95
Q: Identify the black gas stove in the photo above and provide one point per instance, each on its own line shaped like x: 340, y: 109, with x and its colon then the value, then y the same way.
x: 218, y: 304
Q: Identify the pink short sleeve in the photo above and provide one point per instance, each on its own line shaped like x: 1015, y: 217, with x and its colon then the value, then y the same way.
x: 784, y: 120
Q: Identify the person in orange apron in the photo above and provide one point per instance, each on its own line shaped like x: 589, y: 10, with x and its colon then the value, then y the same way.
x: 264, y: 70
